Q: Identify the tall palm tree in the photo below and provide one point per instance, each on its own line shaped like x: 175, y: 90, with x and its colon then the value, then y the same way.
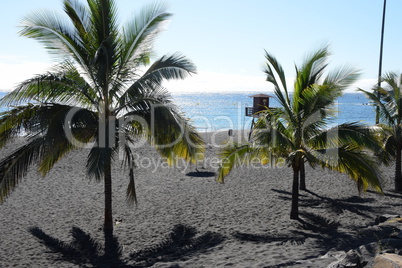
x: 99, y: 96
x: 388, y: 101
x: 299, y: 131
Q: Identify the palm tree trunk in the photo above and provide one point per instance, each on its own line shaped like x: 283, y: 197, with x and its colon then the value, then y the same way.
x: 108, y: 198
x: 294, y: 212
x: 108, y: 225
x: 302, y: 178
x: 398, y: 174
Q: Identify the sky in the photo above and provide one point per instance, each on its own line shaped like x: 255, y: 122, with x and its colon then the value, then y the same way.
x: 227, y: 39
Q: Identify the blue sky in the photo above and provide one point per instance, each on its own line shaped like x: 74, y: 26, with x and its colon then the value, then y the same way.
x: 226, y: 38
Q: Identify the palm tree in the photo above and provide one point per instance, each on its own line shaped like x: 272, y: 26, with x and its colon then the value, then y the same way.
x: 388, y: 101
x: 299, y: 132
x: 99, y: 96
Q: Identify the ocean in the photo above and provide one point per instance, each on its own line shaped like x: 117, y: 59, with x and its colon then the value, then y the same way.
x: 212, y: 111
x: 222, y: 111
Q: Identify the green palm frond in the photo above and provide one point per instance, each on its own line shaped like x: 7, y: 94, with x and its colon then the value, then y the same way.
x: 15, y: 166
x: 50, y: 122
x: 83, y: 127
x: 80, y: 17
x: 131, y: 194
x: 273, y: 136
x: 98, y: 158
x: 234, y: 155
x: 140, y: 98
x: 273, y: 70
x: 149, y: 86
x: 386, y: 109
x: 64, y: 87
x: 58, y: 36
x: 104, y: 20
x: 173, y: 137
x: 342, y: 77
x: 138, y: 36
x: 365, y: 136
x: 175, y: 66
x: 388, y: 99
x: 310, y: 72
x: 359, y: 165
x: 16, y: 120
x: 390, y: 145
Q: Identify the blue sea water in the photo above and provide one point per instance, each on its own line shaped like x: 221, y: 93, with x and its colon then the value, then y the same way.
x: 213, y: 111
x: 221, y: 111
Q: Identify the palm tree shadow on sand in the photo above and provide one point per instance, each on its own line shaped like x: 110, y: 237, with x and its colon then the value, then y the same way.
x: 324, y: 234
x: 181, y: 242
x: 87, y: 252
x: 83, y: 249
x: 357, y: 205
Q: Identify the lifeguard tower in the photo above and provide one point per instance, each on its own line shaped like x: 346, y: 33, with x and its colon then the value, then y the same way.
x: 260, y: 103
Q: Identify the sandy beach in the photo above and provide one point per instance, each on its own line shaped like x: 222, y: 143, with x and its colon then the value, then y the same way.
x: 185, y: 219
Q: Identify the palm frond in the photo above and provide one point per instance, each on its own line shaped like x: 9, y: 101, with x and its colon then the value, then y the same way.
x: 175, y: 66
x: 273, y: 70
x: 16, y: 120
x: 342, y: 77
x: 61, y: 134
x: 65, y: 86
x: 367, y: 137
x: 79, y: 16
x: 139, y: 35
x: 359, y: 165
x: 104, y: 19
x: 131, y: 194
x: 310, y: 72
x: 98, y: 158
x: 386, y: 110
x: 59, y: 37
x: 149, y: 86
x: 15, y: 166
x: 140, y: 97
x: 233, y: 156
x: 272, y: 135
x: 173, y: 136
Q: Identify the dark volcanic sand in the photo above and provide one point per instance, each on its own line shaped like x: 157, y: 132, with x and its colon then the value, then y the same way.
x: 185, y: 219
